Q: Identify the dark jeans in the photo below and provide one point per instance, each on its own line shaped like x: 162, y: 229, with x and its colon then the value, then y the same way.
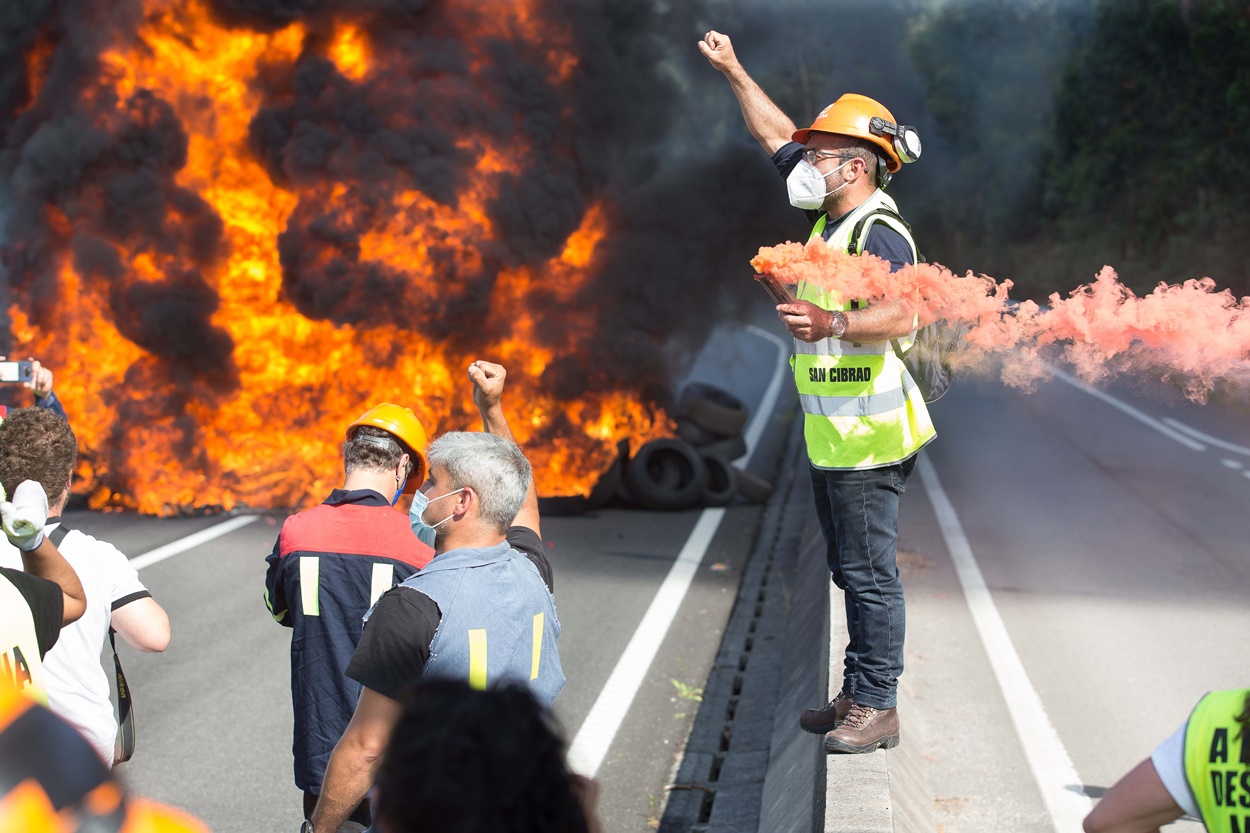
x: 858, y: 513
x: 356, y: 822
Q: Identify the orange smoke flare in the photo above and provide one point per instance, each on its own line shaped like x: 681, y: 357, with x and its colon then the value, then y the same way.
x: 1191, y: 333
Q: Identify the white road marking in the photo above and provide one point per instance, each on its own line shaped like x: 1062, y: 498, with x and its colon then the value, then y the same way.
x: 1056, y: 777
x: 1207, y: 438
x: 191, y: 541
x: 1232, y: 464
x: 1143, y: 418
x: 589, y: 748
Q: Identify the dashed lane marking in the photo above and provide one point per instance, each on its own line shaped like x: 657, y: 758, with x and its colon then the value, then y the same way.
x: 1140, y: 416
x: 1207, y: 438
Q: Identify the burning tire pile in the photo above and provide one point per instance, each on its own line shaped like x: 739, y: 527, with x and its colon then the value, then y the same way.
x: 694, y: 469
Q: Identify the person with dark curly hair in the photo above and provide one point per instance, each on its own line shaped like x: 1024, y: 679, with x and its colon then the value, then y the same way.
x: 461, y: 760
x: 39, y: 446
x: 1202, y: 770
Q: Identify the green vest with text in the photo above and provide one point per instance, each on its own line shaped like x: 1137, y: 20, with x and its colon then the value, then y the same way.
x: 1217, y: 761
x: 861, y: 409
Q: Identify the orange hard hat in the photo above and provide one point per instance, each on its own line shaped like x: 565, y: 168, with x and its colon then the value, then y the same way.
x: 53, y: 781
x: 401, y: 423
x: 864, y: 118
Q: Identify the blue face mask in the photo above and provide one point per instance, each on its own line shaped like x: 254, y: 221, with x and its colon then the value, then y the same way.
x: 424, y: 531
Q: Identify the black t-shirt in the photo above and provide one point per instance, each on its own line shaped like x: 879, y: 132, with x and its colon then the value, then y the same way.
x: 396, y: 643
x: 881, y: 240
x: 46, y: 603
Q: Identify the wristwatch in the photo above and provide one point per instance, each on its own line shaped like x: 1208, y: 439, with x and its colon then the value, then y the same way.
x: 306, y: 827
x: 838, y: 325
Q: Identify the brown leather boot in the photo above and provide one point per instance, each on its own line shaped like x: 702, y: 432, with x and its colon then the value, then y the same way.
x: 863, y: 730
x: 827, y: 718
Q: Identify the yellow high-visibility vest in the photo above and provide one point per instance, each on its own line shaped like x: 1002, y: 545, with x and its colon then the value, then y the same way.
x: 861, y: 409
x: 1217, y: 761
x: 21, y: 667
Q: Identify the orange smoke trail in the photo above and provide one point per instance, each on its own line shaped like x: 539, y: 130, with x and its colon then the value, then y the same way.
x: 1191, y: 334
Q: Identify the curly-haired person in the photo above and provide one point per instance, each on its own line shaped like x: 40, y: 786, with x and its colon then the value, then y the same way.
x: 38, y: 445
x: 462, y: 760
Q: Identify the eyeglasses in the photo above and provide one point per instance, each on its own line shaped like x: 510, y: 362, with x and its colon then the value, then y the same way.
x: 811, y: 156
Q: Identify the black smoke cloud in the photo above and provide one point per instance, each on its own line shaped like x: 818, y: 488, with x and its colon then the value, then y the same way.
x: 91, y: 179
x: 679, y: 220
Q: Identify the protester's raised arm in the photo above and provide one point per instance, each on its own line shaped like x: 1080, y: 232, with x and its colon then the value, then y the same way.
x: 768, y: 125
x: 488, y: 384
x: 23, y: 520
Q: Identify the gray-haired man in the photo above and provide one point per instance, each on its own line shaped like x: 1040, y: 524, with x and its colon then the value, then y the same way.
x: 481, y: 611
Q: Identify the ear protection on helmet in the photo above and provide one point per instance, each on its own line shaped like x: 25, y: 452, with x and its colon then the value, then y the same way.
x: 906, y: 139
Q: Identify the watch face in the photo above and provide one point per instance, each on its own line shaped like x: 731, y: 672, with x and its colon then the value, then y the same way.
x: 839, y: 324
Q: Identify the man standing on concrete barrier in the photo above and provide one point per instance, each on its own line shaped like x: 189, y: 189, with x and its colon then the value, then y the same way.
x: 862, y: 429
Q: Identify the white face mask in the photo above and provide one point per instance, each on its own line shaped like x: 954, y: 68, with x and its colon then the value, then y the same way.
x: 806, y: 185
x: 416, y: 516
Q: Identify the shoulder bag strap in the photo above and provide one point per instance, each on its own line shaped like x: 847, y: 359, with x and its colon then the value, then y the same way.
x: 124, y: 747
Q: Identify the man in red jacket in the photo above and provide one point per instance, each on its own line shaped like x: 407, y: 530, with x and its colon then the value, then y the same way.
x: 330, y: 565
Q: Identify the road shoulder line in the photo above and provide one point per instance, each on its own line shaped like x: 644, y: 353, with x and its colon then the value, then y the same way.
x: 1056, y: 777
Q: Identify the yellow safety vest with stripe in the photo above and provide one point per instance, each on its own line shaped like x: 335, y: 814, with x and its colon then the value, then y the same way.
x: 20, y: 663
x: 861, y: 408
x: 1217, y: 761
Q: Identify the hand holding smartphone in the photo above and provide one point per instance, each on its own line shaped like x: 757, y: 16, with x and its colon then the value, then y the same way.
x: 19, y: 372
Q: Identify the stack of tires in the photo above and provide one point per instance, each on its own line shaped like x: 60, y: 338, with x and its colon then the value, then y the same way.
x: 695, y: 468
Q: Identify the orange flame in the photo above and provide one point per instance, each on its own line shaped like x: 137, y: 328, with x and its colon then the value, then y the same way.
x: 274, y: 440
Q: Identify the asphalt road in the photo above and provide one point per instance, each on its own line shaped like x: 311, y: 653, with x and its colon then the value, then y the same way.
x: 1110, y: 534
x: 1111, y: 531
x: 214, y: 711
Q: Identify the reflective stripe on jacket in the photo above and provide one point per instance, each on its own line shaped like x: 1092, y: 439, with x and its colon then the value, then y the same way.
x: 1217, y: 761
x: 861, y: 408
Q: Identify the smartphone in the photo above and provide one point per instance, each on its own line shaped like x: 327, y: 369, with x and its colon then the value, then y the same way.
x: 16, y: 371
x: 775, y: 289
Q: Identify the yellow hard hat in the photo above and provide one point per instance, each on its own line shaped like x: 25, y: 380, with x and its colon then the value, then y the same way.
x: 864, y: 118
x: 53, y: 781
x: 401, y: 423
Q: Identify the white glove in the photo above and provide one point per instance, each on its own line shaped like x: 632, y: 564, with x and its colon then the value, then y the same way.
x: 24, y: 518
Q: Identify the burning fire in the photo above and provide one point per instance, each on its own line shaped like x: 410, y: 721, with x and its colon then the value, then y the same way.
x: 259, y: 421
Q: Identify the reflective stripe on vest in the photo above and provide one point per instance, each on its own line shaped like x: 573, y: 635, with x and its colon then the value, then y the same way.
x: 1217, y: 761
x: 498, y: 620
x: 20, y: 663
x: 861, y: 408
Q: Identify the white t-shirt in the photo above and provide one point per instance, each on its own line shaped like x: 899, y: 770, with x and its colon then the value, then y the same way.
x: 78, y: 688
x: 1169, y: 761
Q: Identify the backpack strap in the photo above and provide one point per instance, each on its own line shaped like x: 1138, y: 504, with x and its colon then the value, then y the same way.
x: 857, y: 233
x: 124, y: 748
